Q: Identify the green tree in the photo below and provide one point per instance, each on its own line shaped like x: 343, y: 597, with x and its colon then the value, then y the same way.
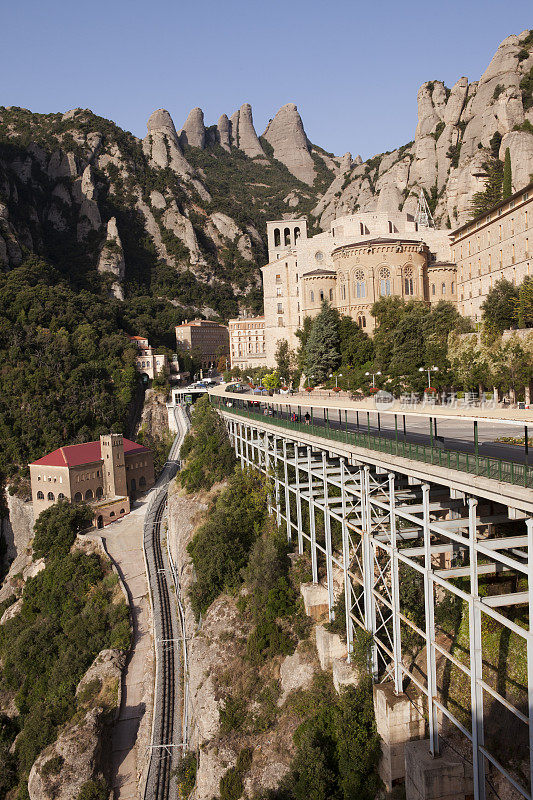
x: 507, y: 188
x: 283, y: 360
x: 500, y: 308
x: 525, y: 303
x: 272, y: 380
x: 206, y: 449
x: 303, y: 335
x: 322, y: 353
x: 492, y: 193
x: 56, y: 528
x: 356, y: 346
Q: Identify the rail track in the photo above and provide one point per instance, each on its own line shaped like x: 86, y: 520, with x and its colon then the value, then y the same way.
x: 166, y: 723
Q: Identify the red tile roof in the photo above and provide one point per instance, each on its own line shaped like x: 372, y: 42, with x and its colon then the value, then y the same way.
x: 75, y: 455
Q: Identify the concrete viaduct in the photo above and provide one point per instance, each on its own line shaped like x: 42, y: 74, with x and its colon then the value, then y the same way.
x: 375, y: 517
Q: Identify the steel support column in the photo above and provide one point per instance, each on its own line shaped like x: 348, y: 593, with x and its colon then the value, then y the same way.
x: 312, y: 531
x: 429, y: 606
x: 286, y: 492
x: 345, y: 567
x: 395, y: 592
x: 476, y: 658
x: 298, y: 499
x: 368, y: 570
x: 327, y: 536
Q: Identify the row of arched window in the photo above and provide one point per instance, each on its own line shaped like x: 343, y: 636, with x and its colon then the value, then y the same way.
x: 50, y: 496
x: 322, y: 295
x: 286, y: 233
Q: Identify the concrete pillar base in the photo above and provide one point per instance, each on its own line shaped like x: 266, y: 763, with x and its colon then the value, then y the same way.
x: 447, y: 777
x: 398, y: 721
x: 315, y: 599
x: 329, y: 647
x: 344, y: 674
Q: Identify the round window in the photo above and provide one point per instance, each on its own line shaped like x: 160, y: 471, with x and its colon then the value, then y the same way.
x: 408, y: 272
x: 319, y: 255
x: 359, y: 275
x: 384, y: 273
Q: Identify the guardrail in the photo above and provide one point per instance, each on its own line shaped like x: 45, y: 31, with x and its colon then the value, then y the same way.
x: 483, y: 466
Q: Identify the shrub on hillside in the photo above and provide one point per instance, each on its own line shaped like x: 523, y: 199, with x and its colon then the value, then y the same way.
x: 56, y: 528
x: 206, y: 449
x: 221, y: 546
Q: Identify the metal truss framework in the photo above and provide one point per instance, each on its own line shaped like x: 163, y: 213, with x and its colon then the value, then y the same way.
x: 388, y: 519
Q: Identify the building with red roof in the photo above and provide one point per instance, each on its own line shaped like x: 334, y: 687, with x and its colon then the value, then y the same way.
x: 108, y: 473
x: 148, y: 363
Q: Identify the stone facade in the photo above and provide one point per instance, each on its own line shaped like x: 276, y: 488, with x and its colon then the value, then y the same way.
x: 361, y: 258
x: 204, y: 339
x: 148, y: 363
x: 493, y: 246
x: 107, y: 474
x: 247, y: 342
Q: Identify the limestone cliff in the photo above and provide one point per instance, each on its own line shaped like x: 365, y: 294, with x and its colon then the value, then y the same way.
x: 452, y: 140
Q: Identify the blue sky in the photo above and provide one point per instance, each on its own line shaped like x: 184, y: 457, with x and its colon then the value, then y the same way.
x: 353, y: 68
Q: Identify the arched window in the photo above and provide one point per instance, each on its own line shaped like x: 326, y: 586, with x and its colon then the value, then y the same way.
x: 361, y: 228
x: 453, y: 287
x: 133, y: 485
x: 122, y: 511
x: 287, y: 236
x: 321, y: 296
x: 331, y: 294
x: 60, y: 496
x: 432, y: 288
x: 40, y: 495
x: 408, y: 281
x: 277, y: 237
x: 77, y: 497
x: 343, y: 291
x: 443, y: 288
x: 142, y: 481
x: 360, y: 286
x: 312, y: 297
x: 361, y: 321
x: 296, y: 234
x: 111, y: 513
x: 384, y: 282
x: 99, y: 492
x: 390, y: 227
x: 89, y: 494
x: 51, y: 496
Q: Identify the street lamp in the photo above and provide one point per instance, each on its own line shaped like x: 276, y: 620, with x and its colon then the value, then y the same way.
x: 336, y: 379
x: 373, y: 377
x: 429, y: 370
x: 309, y: 377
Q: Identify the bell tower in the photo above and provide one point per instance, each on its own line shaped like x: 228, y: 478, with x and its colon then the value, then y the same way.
x: 114, y: 467
x: 284, y: 235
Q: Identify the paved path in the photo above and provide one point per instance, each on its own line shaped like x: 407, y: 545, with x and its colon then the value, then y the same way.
x: 130, y: 754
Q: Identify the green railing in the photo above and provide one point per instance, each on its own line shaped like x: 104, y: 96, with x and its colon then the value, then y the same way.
x: 484, y: 466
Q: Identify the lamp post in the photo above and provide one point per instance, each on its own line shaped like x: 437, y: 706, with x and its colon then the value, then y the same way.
x: 309, y: 378
x: 373, y: 377
x: 429, y: 370
x: 336, y: 379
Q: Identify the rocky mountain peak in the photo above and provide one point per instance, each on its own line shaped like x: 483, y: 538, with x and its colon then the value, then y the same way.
x: 161, y: 122
x: 287, y: 136
x: 193, y: 132
x: 243, y: 133
x: 224, y: 132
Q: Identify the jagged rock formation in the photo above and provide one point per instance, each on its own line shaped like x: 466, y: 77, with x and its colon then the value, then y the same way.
x: 193, y: 132
x: 17, y: 529
x: 287, y: 136
x: 74, y: 758
x: 224, y: 132
x: 112, y: 258
x: 243, y: 133
x: 452, y: 140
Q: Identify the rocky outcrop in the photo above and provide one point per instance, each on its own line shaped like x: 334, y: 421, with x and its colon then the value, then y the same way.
x: 452, y: 140
x: 17, y: 529
x: 287, y: 136
x: 243, y: 133
x: 60, y: 771
x: 161, y: 145
x: 182, y: 228
x: 112, y: 258
x: 154, y: 417
x: 193, y: 132
x: 224, y: 132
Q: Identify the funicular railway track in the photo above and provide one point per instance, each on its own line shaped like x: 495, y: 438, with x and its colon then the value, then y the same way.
x: 166, y: 724
x: 159, y: 776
